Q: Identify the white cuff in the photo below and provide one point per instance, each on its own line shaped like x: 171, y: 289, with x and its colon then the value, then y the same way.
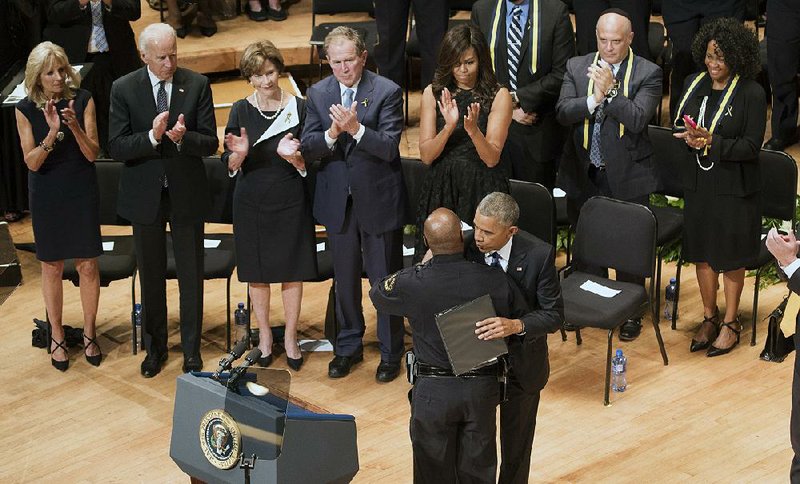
x: 789, y: 270
x: 152, y: 139
x: 359, y: 133
x: 591, y: 104
x: 330, y: 141
x: 303, y: 173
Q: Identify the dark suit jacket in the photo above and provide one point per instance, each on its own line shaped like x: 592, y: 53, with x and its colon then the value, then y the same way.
x: 70, y: 27
x: 133, y: 108
x: 532, y: 267
x: 371, y: 168
x: 737, y: 139
x: 628, y: 164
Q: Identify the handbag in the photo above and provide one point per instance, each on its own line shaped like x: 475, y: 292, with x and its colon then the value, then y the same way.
x: 777, y: 346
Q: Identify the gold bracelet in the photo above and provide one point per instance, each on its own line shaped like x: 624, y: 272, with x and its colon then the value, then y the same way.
x: 45, y: 147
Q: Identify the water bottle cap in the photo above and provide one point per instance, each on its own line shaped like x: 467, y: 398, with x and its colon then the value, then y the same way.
x: 137, y: 306
x: 241, y: 305
x: 619, y: 352
x: 672, y: 280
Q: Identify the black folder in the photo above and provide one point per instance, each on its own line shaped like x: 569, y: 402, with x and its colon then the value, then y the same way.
x: 457, y: 327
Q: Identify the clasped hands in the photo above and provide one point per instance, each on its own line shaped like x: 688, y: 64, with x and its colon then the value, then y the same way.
x: 343, y: 120
x: 783, y: 247
x: 160, y: 128
x: 449, y: 109
x: 696, y: 138
x: 603, y: 78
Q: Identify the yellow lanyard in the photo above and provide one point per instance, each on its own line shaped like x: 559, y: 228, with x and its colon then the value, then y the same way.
x: 590, y: 92
x: 534, y: 13
x: 730, y: 89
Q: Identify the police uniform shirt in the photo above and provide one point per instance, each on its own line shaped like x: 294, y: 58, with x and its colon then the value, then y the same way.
x: 422, y: 291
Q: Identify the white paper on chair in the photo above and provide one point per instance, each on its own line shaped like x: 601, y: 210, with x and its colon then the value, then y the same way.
x: 211, y: 243
x: 559, y: 193
x: 315, y: 345
x: 108, y: 246
x: 407, y: 251
x: 320, y: 246
x: 599, y: 289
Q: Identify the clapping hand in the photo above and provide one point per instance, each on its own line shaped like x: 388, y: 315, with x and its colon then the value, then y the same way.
x: 603, y: 79
x: 783, y: 247
x: 177, y: 131
x: 160, y: 125
x: 238, y: 145
x: 448, y: 108
x: 51, y: 115
x: 520, y: 116
x: 345, y: 118
x: 70, y: 118
x: 696, y: 138
x: 471, y: 118
x: 289, y: 150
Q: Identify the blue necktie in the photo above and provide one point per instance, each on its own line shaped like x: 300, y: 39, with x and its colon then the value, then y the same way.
x: 595, y: 155
x: 514, y: 39
x: 98, y: 32
x: 495, y: 260
x: 347, y: 99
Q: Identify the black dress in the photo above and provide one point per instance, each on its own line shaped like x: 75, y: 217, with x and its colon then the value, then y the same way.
x: 63, y: 193
x: 272, y: 223
x: 458, y: 179
x: 722, y: 204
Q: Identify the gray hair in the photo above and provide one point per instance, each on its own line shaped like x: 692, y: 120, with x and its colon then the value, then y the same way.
x: 500, y: 206
x: 341, y: 33
x: 154, y: 32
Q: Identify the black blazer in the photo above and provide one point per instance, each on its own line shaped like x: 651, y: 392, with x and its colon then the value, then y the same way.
x: 370, y: 169
x: 133, y: 108
x: 532, y: 267
x: 737, y: 139
x: 71, y: 27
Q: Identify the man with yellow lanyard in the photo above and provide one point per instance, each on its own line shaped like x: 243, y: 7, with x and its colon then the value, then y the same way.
x: 608, y: 98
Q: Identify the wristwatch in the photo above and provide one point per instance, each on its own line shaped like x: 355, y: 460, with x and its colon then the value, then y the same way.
x: 612, y: 93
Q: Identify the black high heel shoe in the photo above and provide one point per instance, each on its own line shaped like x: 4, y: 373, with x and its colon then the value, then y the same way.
x: 95, y: 359
x: 702, y: 345
x: 294, y: 363
x: 59, y: 365
x: 714, y: 351
x: 265, y: 361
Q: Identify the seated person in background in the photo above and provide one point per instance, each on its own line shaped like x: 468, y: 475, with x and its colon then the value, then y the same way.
x: 464, y: 119
x: 452, y: 426
x: 272, y: 223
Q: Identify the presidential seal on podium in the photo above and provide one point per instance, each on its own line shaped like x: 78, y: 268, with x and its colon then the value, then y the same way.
x: 220, y: 439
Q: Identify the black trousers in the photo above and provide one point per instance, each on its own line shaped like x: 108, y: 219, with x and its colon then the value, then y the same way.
x: 431, y: 17
x: 588, y: 11
x: 381, y: 255
x: 783, y: 60
x: 794, y: 425
x: 531, y: 153
x: 681, y: 29
x: 517, y: 426
x: 98, y: 82
x: 151, y: 257
x: 453, y: 430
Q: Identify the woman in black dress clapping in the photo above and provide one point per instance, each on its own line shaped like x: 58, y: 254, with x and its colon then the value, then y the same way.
x: 272, y: 222
x: 721, y: 118
x: 57, y: 131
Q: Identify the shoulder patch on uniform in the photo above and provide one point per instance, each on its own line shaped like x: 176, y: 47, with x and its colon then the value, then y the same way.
x: 388, y: 283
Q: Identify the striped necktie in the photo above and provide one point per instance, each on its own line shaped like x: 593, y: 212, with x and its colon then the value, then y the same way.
x: 161, y: 98
x: 98, y: 32
x: 514, y: 45
x: 595, y: 154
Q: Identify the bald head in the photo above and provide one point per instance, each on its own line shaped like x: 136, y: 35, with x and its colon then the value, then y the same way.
x: 614, y: 37
x: 443, y: 232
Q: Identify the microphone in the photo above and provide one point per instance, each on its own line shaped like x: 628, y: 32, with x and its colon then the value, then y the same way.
x: 237, y: 373
x: 227, y: 361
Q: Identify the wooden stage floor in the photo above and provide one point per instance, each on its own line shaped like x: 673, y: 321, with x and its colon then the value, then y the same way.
x: 724, y: 419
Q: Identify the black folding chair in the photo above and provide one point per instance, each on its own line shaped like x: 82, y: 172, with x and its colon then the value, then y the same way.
x: 622, y: 236
x: 118, y: 260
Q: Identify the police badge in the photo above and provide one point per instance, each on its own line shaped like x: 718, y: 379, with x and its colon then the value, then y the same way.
x: 220, y: 439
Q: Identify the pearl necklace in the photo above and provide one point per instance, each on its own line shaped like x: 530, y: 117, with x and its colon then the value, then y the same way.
x: 258, y: 107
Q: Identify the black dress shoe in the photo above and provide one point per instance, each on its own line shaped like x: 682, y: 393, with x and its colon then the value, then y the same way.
x: 276, y: 15
x: 630, y: 329
x: 340, y: 365
x: 152, y: 364
x: 208, y: 31
x: 387, y: 371
x: 181, y: 32
x: 778, y: 144
x: 702, y: 345
x: 265, y: 361
x: 192, y: 363
x: 259, y: 16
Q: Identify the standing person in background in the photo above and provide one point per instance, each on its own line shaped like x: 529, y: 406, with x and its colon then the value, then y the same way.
x: 59, y: 141
x: 272, y: 222
x: 608, y: 98
x: 353, y: 125
x: 162, y: 124
x: 721, y: 176
x: 783, y: 63
x: 464, y: 119
x: 530, y: 42
x: 97, y: 31
x: 587, y: 12
x: 683, y: 18
x: 431, y: 17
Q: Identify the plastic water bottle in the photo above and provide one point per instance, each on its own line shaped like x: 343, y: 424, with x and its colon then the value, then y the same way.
x: 241, y: 324
x: 670, y: 301
x: 137, y: 324
x: 619, y: 365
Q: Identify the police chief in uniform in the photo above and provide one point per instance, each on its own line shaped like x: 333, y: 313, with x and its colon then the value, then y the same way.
x: 452, y: 418
x: 530, y: 263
